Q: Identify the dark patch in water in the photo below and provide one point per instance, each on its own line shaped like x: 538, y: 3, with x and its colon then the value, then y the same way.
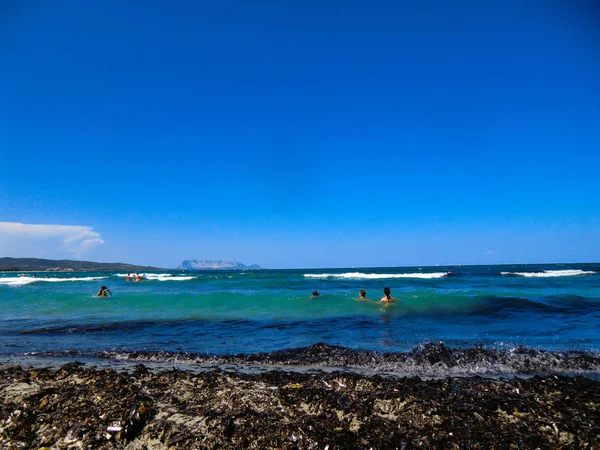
x: 497, y: 305
x: 133, y: 325
x: 493, y: 303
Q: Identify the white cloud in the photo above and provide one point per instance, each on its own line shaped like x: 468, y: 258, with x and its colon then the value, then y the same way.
x: 51, y: 241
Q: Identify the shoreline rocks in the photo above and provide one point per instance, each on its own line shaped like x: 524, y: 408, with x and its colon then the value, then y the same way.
x: 81, y: 407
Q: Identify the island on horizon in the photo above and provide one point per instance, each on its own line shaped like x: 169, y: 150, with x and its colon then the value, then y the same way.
x: 193, y: 264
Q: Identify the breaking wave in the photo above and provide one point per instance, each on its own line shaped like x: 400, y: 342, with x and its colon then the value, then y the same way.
x: 374, y: 276
x: 161, y: 276
x: 551, y: 273
x: 21, y: 281
x: 167, y: 277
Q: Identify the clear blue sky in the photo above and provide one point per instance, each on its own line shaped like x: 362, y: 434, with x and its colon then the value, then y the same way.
x: 301, y: 133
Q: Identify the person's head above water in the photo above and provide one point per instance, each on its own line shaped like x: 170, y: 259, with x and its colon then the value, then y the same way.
x: 315, y: 294
x: 362, y: 293
x: 103, y: 291
x: 387, y: 298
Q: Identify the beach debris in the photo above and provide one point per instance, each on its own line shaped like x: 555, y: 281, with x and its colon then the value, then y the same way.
x: 115, y: 427
x: 79, y: 407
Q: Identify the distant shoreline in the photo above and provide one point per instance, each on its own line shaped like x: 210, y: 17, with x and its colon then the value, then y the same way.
x: 58, y: 270
x: 11, y: 265
x: 66, y: 265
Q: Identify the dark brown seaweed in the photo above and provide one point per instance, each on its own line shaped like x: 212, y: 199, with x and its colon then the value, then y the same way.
x: 79, y: 407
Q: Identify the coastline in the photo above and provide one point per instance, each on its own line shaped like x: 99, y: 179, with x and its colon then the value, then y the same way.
x: 432, y: 360
x: 87, y: 407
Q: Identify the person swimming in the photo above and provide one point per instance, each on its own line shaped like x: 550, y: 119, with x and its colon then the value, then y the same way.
x: 362, y: 295
x: 387, y: 298
x: 103, y: 292
x: 315, y: 294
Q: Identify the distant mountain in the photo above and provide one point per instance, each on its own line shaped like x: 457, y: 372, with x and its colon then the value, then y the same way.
x: 192, y: 264
x: 25, y: 264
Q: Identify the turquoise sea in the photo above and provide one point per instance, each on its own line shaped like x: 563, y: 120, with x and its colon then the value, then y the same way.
x: 478, y: 319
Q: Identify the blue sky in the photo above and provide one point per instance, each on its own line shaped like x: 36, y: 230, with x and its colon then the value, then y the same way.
x: 300, y: 134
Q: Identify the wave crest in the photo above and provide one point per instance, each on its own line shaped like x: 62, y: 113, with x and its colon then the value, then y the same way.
x: 160, y: 276
x: 21, y: 281
x: 550, y: 273
x: 374, y: 276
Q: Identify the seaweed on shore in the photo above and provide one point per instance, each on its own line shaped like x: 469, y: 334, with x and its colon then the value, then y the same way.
x: 433, y: 359
x: 79, y: 407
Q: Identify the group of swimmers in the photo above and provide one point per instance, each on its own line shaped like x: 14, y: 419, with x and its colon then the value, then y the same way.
x: 105, y: 292
x: 387, y: 297
x: 362, y: 295
x: 136, y: 277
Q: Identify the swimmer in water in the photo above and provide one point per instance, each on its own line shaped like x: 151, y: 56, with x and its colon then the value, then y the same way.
x: 315, y: 294
x: 362, y: 295
x: 387, y: 298
x: 104, y: 292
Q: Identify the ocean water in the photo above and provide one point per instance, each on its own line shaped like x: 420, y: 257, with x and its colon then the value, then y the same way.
x: 478, y: 320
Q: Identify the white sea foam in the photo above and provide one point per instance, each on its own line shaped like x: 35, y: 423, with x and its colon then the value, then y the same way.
x: 166, y: 277
x: 550, y: 273
x: 177, y: 279
x: 21, y: 281
x: 147, y: 275
x: 374, y: 276
x: 158, y: 276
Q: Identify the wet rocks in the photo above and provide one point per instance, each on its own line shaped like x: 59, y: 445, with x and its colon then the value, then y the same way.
x: 79, y: 407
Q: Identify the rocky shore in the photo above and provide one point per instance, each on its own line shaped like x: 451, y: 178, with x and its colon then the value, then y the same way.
x: 79, y: 407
